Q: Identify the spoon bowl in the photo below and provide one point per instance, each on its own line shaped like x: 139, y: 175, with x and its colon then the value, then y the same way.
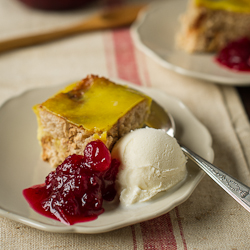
x: 161, y: 119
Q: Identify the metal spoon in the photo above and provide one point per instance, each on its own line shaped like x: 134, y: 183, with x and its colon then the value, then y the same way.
x: 112, y: 18
x: 160, y: 119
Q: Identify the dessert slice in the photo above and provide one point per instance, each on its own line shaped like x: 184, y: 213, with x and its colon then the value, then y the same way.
x: 91, y: 109
x: 209, y: 25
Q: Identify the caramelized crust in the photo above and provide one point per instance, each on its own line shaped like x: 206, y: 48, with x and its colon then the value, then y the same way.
x: 59, y: 137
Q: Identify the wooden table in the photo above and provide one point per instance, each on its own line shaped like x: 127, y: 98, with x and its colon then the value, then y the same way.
x: 245, y: 97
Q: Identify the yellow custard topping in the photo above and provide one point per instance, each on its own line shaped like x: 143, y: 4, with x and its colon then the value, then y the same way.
x: 96, y: 107
x: 242, y: 6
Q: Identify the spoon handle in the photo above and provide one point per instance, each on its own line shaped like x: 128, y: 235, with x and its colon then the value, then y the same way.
x: 112, y: 18
x: 239, y: 191
x: 24, y: 41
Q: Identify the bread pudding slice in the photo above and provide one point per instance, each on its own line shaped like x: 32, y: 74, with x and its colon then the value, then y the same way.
x: 209, y: 25
x: 91, y: 109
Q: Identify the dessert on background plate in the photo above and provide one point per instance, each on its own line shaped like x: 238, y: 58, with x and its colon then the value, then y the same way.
x: 91, y: 109
x: 162, y: 47
x: 208, y: 25
x: 151, y: 161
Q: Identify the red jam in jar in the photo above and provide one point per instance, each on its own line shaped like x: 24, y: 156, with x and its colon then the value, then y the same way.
x: 236, y: 55
x: 74, y: 192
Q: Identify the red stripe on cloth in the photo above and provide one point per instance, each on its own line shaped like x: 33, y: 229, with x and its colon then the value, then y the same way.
x: 134, y: 237
x: 158, y: 233
x: 181, y: 228
x: 125, y: 56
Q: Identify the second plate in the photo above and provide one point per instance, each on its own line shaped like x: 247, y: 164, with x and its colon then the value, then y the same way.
x: 154, y: 33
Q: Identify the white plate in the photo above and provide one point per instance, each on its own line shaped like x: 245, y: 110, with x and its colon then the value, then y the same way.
x: 22, y: 167
x: 154, y: 33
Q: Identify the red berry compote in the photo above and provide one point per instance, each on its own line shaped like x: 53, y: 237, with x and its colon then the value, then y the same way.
x: 75, y: 191
x: 236, y: 55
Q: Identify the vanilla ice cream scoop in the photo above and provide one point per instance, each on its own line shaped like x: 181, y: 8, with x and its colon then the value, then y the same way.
x: 151, y: 162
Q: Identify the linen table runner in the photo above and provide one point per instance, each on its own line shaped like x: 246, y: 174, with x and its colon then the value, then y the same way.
x: 209, y: 219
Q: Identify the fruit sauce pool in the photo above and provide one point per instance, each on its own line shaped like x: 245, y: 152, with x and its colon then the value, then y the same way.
x: 236, y: 55
x: 75, y: 191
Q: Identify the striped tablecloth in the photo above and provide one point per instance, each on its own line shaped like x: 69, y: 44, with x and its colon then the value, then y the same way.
x: 209, y: 219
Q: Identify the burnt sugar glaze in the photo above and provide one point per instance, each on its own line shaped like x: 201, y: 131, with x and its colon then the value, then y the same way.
x: 75, y: 191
